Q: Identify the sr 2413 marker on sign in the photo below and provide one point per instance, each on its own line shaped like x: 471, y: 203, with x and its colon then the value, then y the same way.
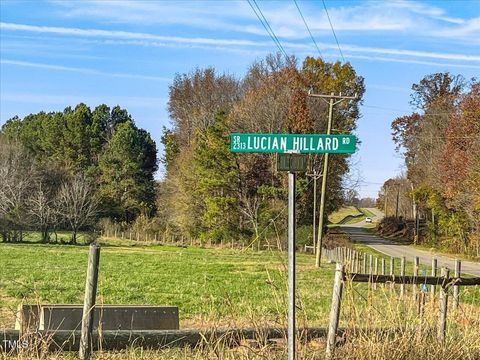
x: 297, y: 143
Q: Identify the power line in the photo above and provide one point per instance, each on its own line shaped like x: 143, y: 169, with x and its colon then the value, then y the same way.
x: 333, y: 31
x: 409, y: 111
x: 268, y: 25
x: 258, y: 12
x: 306, y: 25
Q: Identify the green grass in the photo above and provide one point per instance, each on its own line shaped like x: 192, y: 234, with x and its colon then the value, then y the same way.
x: 343, y: 213
x: 211, y: 287
x: 367, y: 212
x: 206, y: 284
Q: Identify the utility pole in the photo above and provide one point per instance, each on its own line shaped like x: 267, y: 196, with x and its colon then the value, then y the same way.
x: 315, y: 177
x: 415, y: 216
x: 385, y: 201
x: 398, y: 196
x: 331, y: 102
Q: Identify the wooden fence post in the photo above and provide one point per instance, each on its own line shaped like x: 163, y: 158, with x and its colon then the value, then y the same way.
x: 89, y: 302
x: 456, y: 290
x: 335, y: 310
x: 364, y: 265
x: 442, y: 319
x: 375, y: 271
x: 370, y: 264
x: 434, y: 274
x: 402, y: 275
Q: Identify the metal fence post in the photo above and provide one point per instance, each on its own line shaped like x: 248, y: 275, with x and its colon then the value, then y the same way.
x: 434, y: 274
x: 416, y: 266
x: 291, y: 266
x: 456, y: 289
x: 392, y: 271
x: 383, y: 268
x: 402, y: 274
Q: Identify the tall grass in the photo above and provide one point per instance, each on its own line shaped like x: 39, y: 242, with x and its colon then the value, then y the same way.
x: 378, y: 323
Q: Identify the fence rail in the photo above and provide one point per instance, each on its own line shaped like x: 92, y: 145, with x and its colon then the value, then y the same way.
x: 348, y: 262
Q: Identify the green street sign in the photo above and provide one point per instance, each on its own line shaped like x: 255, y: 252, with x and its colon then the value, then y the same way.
x: 292, y: 162
x: 292, y: 143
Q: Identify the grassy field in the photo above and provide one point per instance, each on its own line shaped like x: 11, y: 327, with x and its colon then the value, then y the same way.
x: 209, y: 285
x: 216, y: 287
x: 341, y: 215
x: 367, y: 212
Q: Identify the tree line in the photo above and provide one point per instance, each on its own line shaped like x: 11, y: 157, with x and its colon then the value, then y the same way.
x: 68, y: 169
x: 206, y: 192
x: 211, y: 194
x: 440, y: 142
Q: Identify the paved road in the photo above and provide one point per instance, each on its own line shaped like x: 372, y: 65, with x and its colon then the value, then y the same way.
x: 378, y: 215
x: 360, y: 235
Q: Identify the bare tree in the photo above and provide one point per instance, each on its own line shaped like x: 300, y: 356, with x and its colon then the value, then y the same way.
x: 76, y: 204
x: 251, y: 209
x: 196, y: 97
x: 15, y: 183
x: 40, y: 209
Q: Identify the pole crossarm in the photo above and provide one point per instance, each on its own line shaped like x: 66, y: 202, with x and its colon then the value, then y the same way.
x: 314, y: 175
x: 332, y: 96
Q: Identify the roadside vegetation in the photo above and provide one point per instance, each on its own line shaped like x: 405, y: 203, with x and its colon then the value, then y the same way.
x: 440, y: 144
x: 345, y: 213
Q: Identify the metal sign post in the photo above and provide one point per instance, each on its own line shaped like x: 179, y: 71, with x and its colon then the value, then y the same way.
x: 290, y: 148
x: 291, y: 265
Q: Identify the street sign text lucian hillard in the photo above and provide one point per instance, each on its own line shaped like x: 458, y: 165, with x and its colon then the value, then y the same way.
x: 301, y: 143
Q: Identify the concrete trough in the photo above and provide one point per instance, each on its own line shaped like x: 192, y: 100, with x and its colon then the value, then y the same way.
x: 28, y: 317
x: 106, y: 317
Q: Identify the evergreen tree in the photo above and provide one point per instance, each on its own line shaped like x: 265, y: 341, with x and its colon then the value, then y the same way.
x: 217, y: 181
x: 127, y: 166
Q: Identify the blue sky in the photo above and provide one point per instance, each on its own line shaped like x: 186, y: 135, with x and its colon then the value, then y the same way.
x: 59, y: 53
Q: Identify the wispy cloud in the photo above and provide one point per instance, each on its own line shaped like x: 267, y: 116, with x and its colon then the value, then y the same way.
x: 148, y: 39
x: 412, y: 53
x: 413, y: 61
x: 81, y: 70
x: 68, y: 100
x: 408, y: 17
x: 207, y: 15
x: 124, y: 35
